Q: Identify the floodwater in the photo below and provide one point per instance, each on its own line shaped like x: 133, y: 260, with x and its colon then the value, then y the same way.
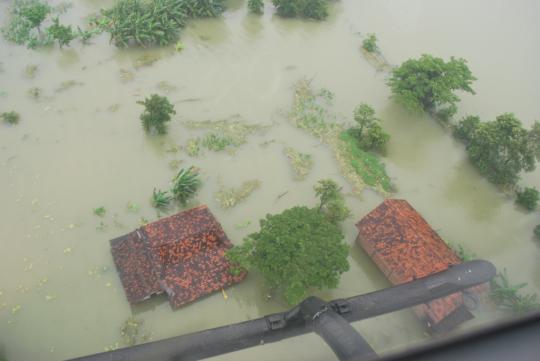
x: 83, y: 147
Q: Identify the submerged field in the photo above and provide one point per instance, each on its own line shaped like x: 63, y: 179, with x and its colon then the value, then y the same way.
x: 80, y: 146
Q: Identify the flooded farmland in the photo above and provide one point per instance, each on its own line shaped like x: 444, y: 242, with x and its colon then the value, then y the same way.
x: 80, y: 145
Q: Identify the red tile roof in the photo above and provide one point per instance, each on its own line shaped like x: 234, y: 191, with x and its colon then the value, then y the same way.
x: 405, y: 247
x: 182, y: 255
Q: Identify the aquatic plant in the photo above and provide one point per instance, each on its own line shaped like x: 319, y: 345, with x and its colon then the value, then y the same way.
x: 185, y: 184
x: 161, y: 199
x: 11, y: 117
x: 500, y: 149
x: 528, y: 198
x: 507, y: 296
x: 234, y: 128
x: 311, y: 9
x: 300, y: 162
x: 67, y: 84
x: 463, y: 253
x: 31, y: 70
x: 157, y: 112
x: 428, y: 83
x: 100, y: 211
x: 25, y: 18
x: 216, y: 142
x: 61, y: 33
x: 202, y: 8
x: 193, y: 147
x: 370, y: 44
x: 130, y: 331
x: 295, y: 251
x: 142, y: 23
x: 256, y: 6
x: 230, y: 197
x: 34, y: 93
x: 331, y: 201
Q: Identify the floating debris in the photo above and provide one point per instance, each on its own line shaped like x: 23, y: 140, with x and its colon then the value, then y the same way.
x: 193, y: 147
x: 166, y: 87
x: 225, y: 295
x: 126, y: 75
x: 146, y: 60
x: 242, y: 225
x: 133, y: 207
x: 30, y: 71
x: 16, y: 309
x: 34, y: 93
x: 68, y: 84
x: 230, y: 197
x: 50, y: 297
x: 114, y: 108
x: 175, y: 164
x: 67, y: 250
x: 131, y: 332
x: 300, y: 162
x: 102, y: 226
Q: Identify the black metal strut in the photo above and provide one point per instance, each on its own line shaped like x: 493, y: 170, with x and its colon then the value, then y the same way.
x: 279, y: 326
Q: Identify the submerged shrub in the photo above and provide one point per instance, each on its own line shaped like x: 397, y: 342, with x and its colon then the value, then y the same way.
x: 26, y: 16
x: 161, y: 199
x: 157, y: 112
x: 256, y: 6
x: 10, y: 117
x: 185, y: 184
x: 61, y: 33
x: 528, y: 198
x: 370, y: 43
x: 311, y: 9
x: 202, y: 8
x: 508, y: 296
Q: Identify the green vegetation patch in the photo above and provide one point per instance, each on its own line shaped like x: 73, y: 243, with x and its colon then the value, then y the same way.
x: 11, y: 117
x: 234, y: 129
x: 528, y: 198
x: 508, y: 296
x: 230, y: 197
x: 310, y: 9
x: 301, y: 163
x: 310, y: 113
x: 364, y: 164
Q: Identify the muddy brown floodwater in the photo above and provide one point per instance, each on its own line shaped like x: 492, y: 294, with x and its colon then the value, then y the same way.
x: 80, y: 145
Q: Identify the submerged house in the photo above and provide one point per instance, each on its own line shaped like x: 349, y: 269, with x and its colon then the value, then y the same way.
x: 182, y: 255
x: 405, y: 247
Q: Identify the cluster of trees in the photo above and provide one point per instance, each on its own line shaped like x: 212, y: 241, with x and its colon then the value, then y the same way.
x: 310, y: 9
x: 500, y: 149
x: 301, y: 248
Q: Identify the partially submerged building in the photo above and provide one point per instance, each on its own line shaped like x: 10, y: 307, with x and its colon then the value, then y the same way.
x: 182, y: 255
x: 405, y: 247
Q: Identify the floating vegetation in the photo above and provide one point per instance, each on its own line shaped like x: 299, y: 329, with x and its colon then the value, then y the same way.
x: 113, y: 108
x: 370, y: 43
x: 131, y: 332
x: 26, y: 17
x: 462, y: 252
x: 161, y: 199
x: 166, y: 87
x: 31, y: 70
x: 126, y: 75
x: 310, y: 113
x: 100, y: 211
x: 146, y: 60
x: 35, y: 93
x: 242, y: 225
x: 133, y: 207
x: 508, y: 297
x: 193, y: 147
x: 11, y: 117
x: 16, y: 309
x: 216, y: 142
x: 186, y: 184
x: 234, y: 128
x: 68, y: 84
x: 373, y: 54
x: 175, y: 164
x: 230, y: 197
x: 300, y: 162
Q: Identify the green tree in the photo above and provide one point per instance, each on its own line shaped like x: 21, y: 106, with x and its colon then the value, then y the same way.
x: 34, y: 11
x: 528, y: 198
x: 61, y: 33
x: 369, y: 133
x: 157, y: 112
x: 429, y: 83
x: 466, y: 127
x: 331, y: 201
x: 501, y: 149
x: 256, y: 6
x: 295, y: 251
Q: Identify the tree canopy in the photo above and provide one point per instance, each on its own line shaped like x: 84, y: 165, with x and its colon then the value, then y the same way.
x: 369, y: 133
x: 500, y: 149
x: 157, y: 112
x: 332, y: 203
x: 429, y: 83
x: 311, y: 9
x: 295, y: 251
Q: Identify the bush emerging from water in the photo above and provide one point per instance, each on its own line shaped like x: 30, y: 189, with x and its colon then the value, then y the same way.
x: 11, y: 117
x: 157, y: 112
x: 370, y: 44
x: 428, y: 84
x: 310, y: 9
x: 185, y: 184
x: 256, y: 6
x: 528, y: 198
x: 25, y: 19
x: 61, y: 33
